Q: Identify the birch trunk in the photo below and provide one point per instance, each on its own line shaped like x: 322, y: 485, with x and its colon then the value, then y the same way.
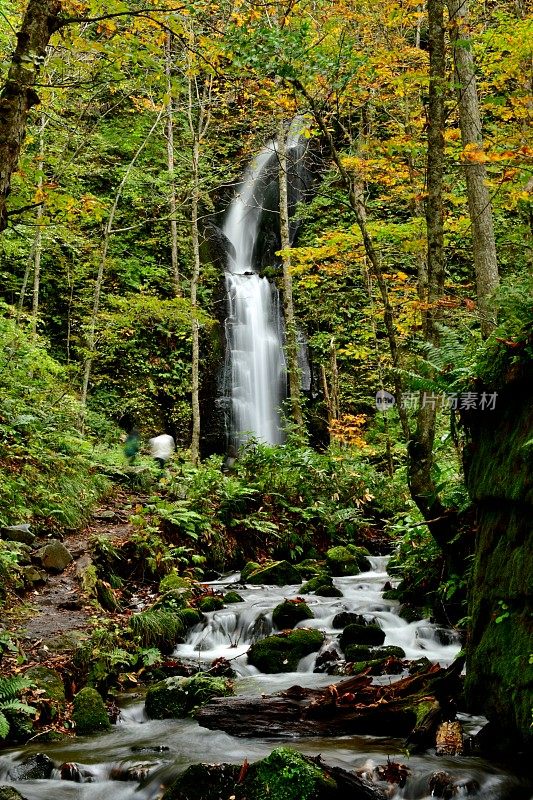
x: 38, y: 243
x: 288, y: 305
x: 479, y: 205
x: 176, y: 279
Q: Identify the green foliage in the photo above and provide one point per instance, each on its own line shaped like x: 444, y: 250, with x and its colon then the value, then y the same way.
x: 10, y: 689
x: 160, y: 628
x: 287, y: 775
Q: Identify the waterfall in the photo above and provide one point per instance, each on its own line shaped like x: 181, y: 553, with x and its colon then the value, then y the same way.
x: 256, y: 371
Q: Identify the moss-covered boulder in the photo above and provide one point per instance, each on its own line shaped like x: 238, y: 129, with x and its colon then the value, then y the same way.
x: 48, y: 680
x: 357, y: 652
x: 281, y: 653
x: 276, y: 573
x: 89, y: 712
x: 390, y: 651
x: 211, y: 602
x: 344, y: 618
x: 204, y: 782
x: 287, y: 775
x: 174, y: 582
x: 290, y: 612
x: 191, y: 617
x: 328, y: 591
x: 233, y: 597
x: 54, y: 556
x: 176, y: 697
x: 251, y: 566
x: 319, y: 580
x: 371, y: 635
x: 310, y: 567
x: 349, y: 560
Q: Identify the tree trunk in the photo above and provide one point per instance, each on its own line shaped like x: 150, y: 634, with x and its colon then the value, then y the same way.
x: 288, y: 305
x: 38, y: 233
x: 479, y: 205
x: 18, y: 96
x: 170, y: 164
x: 195, y: 366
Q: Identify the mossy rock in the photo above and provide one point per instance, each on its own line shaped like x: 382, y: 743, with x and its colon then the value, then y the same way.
x: 287, y: 775
x: 191, y: 617
x: 328, y: 591
x: 8, y: 793
x: 233, y: 597
x: 89, y: 712
x: 277, y: 573
x: 345, y: 618
x: 281, y: 653
x: 349, y: 560
x: 357, y: 652
x: 106, y: 596
x: 204, y: 782
x: 48, y: 680
x: 211, y: 603
x: 290, y: 612
x: 177, y: 697
x: 251, y: 566
x: 376, y: 666
x: 322, y: 579
x: 390, y: 651
x: 310, y: 567
x: 173, y: 581
x: 362, y: 634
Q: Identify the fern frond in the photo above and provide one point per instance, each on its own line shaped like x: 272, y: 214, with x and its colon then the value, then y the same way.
x: 11, y: 686
x: 17, y: 705
x: 4, y: 726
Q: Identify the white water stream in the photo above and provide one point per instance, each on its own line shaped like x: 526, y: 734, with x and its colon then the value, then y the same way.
x: 228, y: 633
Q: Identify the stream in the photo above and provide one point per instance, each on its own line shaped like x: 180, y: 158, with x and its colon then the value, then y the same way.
x: 164, y: 748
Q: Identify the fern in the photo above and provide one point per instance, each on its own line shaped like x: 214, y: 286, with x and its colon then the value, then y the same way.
x: 447, y: 367
x: 10, y: 687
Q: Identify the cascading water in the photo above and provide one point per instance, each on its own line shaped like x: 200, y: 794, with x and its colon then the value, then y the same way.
x: 255, y: 359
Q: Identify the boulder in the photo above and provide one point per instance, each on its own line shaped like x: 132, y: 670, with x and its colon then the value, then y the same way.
x: 36, y: 767
x: 328, y: 591
x: 49, y: 680
x: 211, y: 603
x: 344, y: 618
x: 177, y: 697
x: 281, y: 653
x: 175, y: 582
x: 277, y: 573
x: 287, y: 774
x: 390, y: 651
x: 54, y: 556
x: 32, y: 576
x: 319, y: 580
x: 349, y: 560
x: 290, y: 612
x: 362, y: 634
x: 247, y: 570
x: 233, y: 597
x: 191, y: 617
x: 310, y: 567
x: 89, y: 712
x: 204, y: 782
x: 17, y: 533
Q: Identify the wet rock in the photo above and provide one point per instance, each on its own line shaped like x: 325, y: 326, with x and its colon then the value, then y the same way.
x: 377, y: 666
x: 54, y: 556
x: 446, y: 636
x: 270, y: 777
x: 320, y: 580
x: 419, y: 665
x: 233, y: 597
x: 390, y: 651
x: 70, y: 771
x: 89, y: 712
x: 349, y: 560
x: 221, y: 668
x: 17, y: 533
x: 344, y: 618
x: 177, y: 697
x: 326, y: 658
x: 362, y: 634
x: 37, y: 767
x: 141, y: 748
x: 211, y: 602
x: 310, y: 567
x: 409, y: 613
x: 191, y: 617
x: 176, y: 583
x: 8, y: 793
x: 251, y: 566
x: 261, y: 629
x: 277, y: 573
x: 137, y: 773
x: 32, y: 576
x: 204, y: 782
x: 49, y: 680
x: 281, y: 653
x: 328, y: 591
x: 290, y: 612
x: 357, y: 652
x: 441, y: 784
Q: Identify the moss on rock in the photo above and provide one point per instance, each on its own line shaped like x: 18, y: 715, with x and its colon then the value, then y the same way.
x: 362, y: 634
x: 211, y: 603
x: 276, y: 573
x: 8, y: 793
x: 233, y: 597
x: 89, y: 712
x: 281, y: 653
x: 320, y: 580
x: 251, y: 566
x: 290, y: 612
x: 49, y: 680
x: 328, y: 591
x: 287, y: 775
x: 190, y: 617
x: 349, y: 560
x: 176, y: 697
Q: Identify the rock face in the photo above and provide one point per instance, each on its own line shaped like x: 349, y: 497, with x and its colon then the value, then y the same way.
x: 177, y: 697
x: 281, y: 653
x: 89, y: 712
x: 54, y: 556
x: 499, y: 474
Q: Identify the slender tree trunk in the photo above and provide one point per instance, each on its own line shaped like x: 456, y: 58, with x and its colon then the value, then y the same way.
x: 195, y: 367
x: 38, y: 244
x: 108, y: 229
x: 18, y: 95
x: 171, y: 165
x: 288, y: 305
x: 479, y: 204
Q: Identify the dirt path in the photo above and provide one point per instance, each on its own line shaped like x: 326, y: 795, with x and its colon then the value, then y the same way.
x: 59, y: 606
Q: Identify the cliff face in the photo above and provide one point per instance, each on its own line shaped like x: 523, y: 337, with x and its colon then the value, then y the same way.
x: 498, y: 464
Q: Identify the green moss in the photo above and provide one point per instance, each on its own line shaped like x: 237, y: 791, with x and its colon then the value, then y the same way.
x: 290, y: 612
x: 175, y: 581
x: 322, y: 579
x: 89, y: 712
x: 357, y: 652
x: 173, y: 600
x: 8, y: 793
x: 349, y: 560
x: 49, y: 681
x: 282, y: 653
x: 178, y: 697
x: 211, y: 603
x: 233, y: 597
x: 286, y: 775
x: 310, y: 567
x: 277, y: 573
x: 328, y: 591
x: 247, y: 570
x: 362, y: 634
x: 190, y: 617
